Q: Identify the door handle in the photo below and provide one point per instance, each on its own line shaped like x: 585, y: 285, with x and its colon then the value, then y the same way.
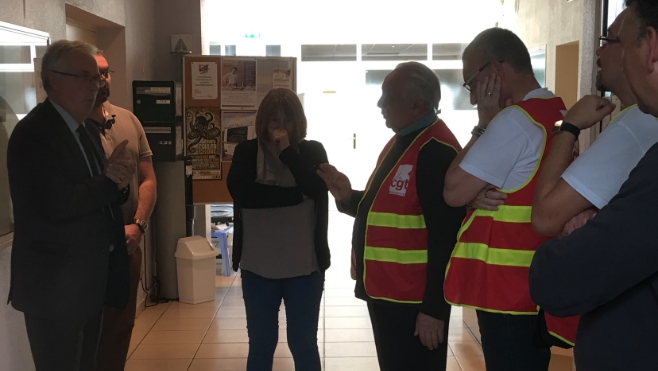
x: 354, y: 140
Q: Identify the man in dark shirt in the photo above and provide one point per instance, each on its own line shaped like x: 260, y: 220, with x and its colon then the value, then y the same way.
x: 404, y: 232
x: 607, y: 271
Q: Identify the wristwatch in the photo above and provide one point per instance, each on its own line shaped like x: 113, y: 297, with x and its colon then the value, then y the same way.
x: 570, y: 128
x: 142, y: 224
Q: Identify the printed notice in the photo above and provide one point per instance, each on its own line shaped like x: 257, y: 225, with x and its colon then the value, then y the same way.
x: 236, y: 128
x: 238, y: 83
x: 204, y: 80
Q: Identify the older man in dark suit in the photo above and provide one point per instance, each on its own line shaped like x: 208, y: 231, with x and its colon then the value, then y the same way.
x: 69, y: 253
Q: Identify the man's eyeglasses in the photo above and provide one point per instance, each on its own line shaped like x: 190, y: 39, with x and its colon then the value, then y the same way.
x: 89, y: 79
x: 106, y: 72
x: 479, y: 71
x: 604, y: 41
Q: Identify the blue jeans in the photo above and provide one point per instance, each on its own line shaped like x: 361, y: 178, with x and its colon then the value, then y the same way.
x: 262, y: 299
x: 507, y: 343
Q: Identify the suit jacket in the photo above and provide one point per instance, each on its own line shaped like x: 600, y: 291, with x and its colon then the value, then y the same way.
x: 64, y: 223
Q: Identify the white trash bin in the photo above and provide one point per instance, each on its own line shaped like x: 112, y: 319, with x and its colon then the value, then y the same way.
x: 195, y: 266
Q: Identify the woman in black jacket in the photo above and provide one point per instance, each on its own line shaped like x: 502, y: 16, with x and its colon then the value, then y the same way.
x: 280, y: 241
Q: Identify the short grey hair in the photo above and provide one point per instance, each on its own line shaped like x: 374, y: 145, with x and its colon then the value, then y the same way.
x: 423, y: 83
x: 52, y: 60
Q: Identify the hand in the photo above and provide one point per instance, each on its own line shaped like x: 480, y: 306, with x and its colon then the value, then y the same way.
x: 337, y: 183
x: 429, y: 330
x: 281, y: 139
x: 353, y: 266
x: 578, y: 221
x: 119, y: 169
x: 588, y: 111
x: 488, y: 96
x: 133, y: 237
x: 488, y: 199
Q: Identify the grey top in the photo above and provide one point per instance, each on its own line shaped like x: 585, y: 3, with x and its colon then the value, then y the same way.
x: 280, y: 242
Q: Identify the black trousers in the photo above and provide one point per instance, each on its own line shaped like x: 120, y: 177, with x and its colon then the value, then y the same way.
x: 507, y: 343
x: 63, y: 345
x: 397, y: 347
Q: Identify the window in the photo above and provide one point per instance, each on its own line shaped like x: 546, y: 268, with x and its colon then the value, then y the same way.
x: 394, y: 52
x: 21, y: 50
x: 272, y: 50
x: 328, y: 53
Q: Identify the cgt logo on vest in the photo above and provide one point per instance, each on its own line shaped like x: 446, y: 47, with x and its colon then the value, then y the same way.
x: 400, y: 182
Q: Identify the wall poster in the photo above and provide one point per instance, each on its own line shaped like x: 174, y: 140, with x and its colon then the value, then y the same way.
x: 204, y: 80
x: 239, y: 83
x: 237, y: 127
x: 203, y: 141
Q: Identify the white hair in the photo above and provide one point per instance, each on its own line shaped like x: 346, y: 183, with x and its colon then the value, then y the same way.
x: 53, y: 61
x: 423, y: 83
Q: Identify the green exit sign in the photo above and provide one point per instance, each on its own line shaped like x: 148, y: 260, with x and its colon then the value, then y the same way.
x: 252, y: 36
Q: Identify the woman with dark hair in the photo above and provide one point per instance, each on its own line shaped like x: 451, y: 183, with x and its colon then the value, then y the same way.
x: 280, y: 241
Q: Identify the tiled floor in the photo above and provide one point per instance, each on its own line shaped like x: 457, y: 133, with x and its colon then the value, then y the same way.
x: 213, y: 335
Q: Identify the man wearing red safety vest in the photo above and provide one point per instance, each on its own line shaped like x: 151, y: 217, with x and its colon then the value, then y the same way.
x: 404, y: 231
x: 488, y: 270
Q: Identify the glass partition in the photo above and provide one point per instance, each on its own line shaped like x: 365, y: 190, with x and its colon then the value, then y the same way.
x: 21, y: 50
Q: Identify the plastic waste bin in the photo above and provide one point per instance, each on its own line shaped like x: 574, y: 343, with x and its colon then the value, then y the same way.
x: 195, y: 266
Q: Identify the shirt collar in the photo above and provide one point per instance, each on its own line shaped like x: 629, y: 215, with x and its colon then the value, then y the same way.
x: 424, y: 122
x: 70, y: 121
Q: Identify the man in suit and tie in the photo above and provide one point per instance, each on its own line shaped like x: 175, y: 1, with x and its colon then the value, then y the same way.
x: 69, y: 254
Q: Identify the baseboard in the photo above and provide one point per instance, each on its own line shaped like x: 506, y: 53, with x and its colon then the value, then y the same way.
x: 141, y: 306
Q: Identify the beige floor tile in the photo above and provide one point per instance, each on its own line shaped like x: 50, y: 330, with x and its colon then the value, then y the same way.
x: 229, y: 324
x: 352, y: 364
x: 135, y: 340
x: 157, y: 364
x: 348, y: 335
x: 233, y: 302
x: 345, y: 301
x: 339, y: 293
x: 164, y: 351
x: 364, y: 349
x: 208, y: 304
x: 179, y: 312
x: 145, y: 322
x: 460, y: 335
x: 240, y: 350
x: 471, y: 363
x: 226, y: 336
x: 228, y: 364
x: 174, y: 337
x: 224, y: 281
x: 346, y: 312
x: 466, y: 349
x: 453, y: 365
x: 231, y: 312
x: 347, y: 323
x: 228, y: 350
x: 182, y: 324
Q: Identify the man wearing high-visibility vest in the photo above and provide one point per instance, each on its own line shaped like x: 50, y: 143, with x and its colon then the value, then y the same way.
x: 488, y: 269
x: 404, y: 231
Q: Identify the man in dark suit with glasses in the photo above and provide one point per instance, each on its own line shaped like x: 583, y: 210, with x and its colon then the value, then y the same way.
x: 69, y: 252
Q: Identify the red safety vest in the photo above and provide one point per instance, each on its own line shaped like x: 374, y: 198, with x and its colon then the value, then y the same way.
x: 489, y: 266
x: 395, y: 252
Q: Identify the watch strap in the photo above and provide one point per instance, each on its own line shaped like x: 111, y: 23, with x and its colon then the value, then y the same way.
x: 570, y: 128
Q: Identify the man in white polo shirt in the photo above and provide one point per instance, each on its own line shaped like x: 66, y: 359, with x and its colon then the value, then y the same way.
x: 488, y: 270
x: 578, y: 190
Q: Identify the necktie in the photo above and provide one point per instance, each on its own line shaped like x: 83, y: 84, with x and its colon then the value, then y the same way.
x: 88, y: 148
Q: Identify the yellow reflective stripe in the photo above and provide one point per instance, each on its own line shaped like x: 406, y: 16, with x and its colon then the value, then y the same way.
x: 561, y: 338
x: 395, y: 301
x: 385, y: 254
x: 396, y: 221
x: 480, y: 251
x: 489, y: 310
x: 509, y: 214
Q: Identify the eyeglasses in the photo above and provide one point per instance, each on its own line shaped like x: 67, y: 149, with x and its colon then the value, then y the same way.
x: 604, y: 41
x: 106, y: 72
x: 479, y: 71
x: 89, y: 79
